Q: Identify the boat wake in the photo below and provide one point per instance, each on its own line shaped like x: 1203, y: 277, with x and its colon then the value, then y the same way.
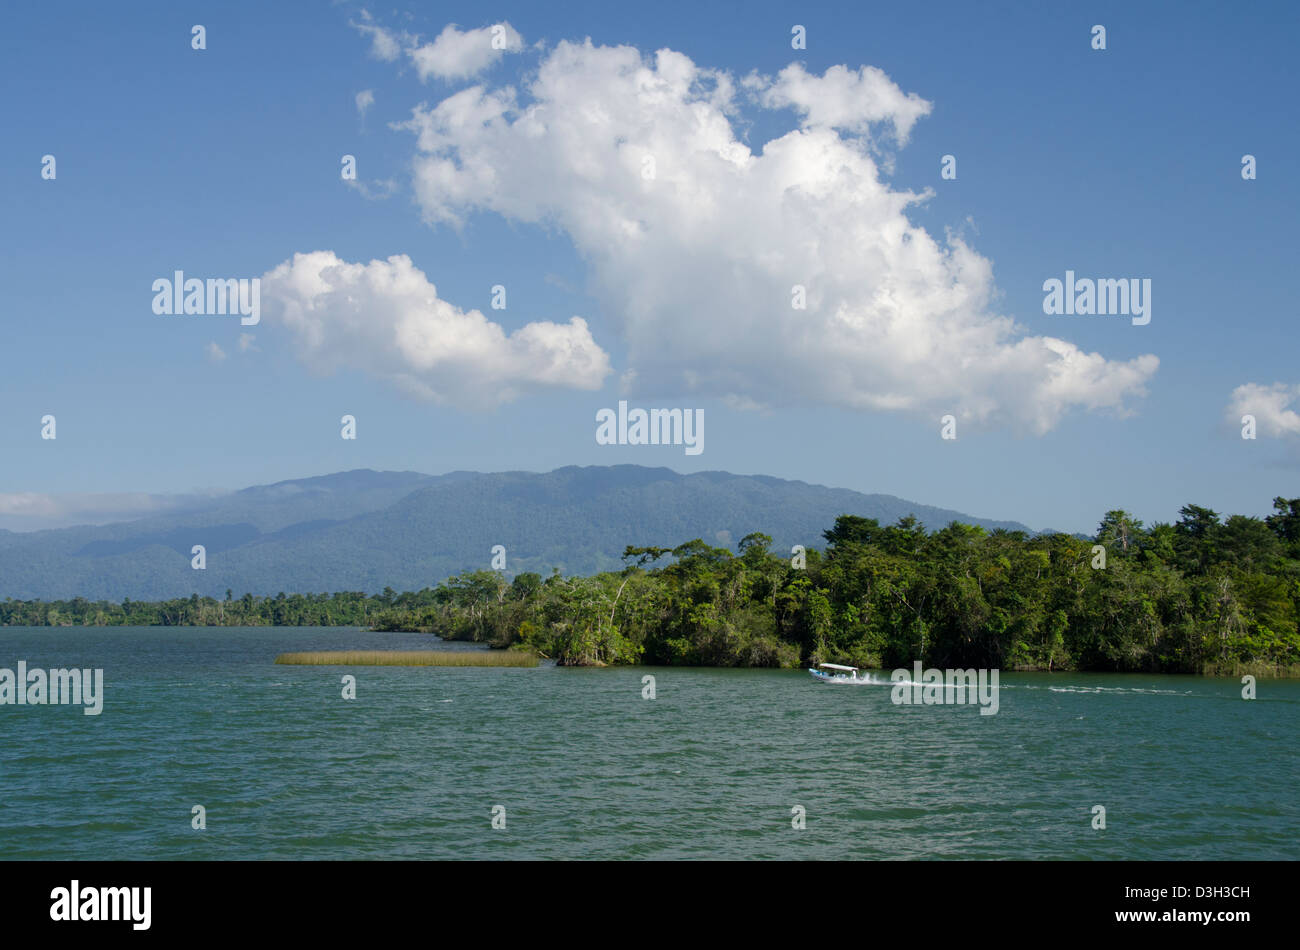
x: 838, y: 675
x: 875, y: 679
x: 1112, y: 689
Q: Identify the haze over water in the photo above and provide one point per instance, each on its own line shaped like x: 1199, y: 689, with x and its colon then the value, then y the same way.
x: 587, y: 768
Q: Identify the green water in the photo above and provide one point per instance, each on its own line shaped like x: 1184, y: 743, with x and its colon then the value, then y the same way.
x: 587, y: 768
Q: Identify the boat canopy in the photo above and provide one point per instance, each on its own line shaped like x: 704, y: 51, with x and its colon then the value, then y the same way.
x: 836, y: 666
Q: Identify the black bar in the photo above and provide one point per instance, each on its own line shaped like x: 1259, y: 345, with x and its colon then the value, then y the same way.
x: 913, y: 901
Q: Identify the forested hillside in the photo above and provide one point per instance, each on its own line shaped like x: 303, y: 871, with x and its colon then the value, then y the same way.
x: 364, y: 531
x: 1205, y: 594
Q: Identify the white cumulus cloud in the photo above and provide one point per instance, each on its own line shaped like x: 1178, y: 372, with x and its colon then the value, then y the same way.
x: 385, y: 44
x: 842, y: 98
x: 1271, y: 405
x: 695, y: 242
x: 460, y: 54
x: 386, y: 318
x: 365, y: 99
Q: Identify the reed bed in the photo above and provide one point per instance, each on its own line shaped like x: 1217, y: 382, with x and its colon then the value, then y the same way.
x: 409, y: 658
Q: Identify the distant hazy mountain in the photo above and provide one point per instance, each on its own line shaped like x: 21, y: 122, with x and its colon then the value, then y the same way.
x: 366, y: 530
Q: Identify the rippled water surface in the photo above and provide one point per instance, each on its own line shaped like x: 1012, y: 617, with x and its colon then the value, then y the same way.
x: 587, y: 768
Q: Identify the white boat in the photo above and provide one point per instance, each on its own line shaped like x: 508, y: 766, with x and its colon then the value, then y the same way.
x: 835, y: 673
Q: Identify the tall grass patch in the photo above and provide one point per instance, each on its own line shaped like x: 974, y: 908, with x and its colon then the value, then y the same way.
x: 409, y: 658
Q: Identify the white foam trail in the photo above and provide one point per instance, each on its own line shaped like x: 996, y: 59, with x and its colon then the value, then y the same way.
x: 1118, y: 689
x: 872, y: 679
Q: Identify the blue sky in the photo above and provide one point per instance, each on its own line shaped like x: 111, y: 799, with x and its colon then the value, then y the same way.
x: 225, y: 162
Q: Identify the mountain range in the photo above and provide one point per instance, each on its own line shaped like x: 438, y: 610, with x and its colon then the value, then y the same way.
x: 365, y: 530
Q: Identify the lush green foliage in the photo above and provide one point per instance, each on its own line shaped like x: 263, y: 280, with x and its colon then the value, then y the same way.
x: 1202, y: 594
x: 350, y: 609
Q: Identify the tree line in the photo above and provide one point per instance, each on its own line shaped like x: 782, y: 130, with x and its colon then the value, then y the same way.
x: 1202, y: 595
